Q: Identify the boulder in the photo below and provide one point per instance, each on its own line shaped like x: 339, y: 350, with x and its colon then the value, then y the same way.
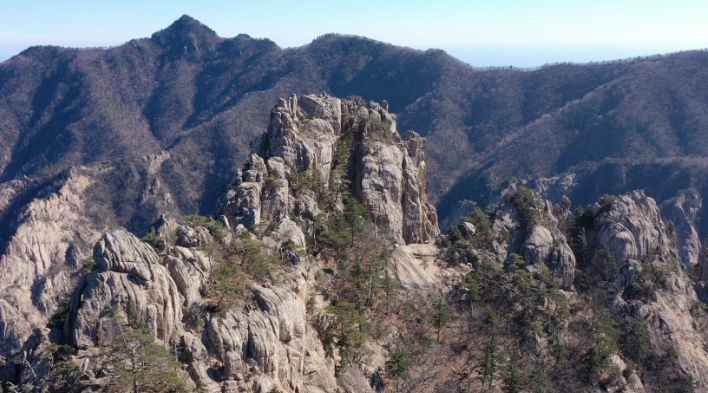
x: 127, y: 285
x: 542, y: 243
x: 188, y: 236
x: 550, y: 247
x: 463, y: 208
x: 353, y: 381
x: 467, y: 229
x: 630, y: 227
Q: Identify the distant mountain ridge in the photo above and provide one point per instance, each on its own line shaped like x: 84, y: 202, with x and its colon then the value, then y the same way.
x: 204, y: 98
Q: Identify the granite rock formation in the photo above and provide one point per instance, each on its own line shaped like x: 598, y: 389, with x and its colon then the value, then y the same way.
x: 314, y: 134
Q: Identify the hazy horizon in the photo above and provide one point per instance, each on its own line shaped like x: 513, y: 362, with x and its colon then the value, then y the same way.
x: 487, y: 55
x: 502, y: 33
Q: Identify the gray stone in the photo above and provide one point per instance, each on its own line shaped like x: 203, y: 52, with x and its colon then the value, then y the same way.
x: 188, y: 236
x: 353, y: 381
x: 130, y: 279
x: 681, y: 211
x: 389, y: 178
x: 463, y: 208
x: 467, y: 229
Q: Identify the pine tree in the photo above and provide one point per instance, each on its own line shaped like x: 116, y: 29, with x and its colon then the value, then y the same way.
x: 138, y: 363
x: 513, y: 382
x: 443, y: 315
x: 491, y: 347
x: 398, y: 363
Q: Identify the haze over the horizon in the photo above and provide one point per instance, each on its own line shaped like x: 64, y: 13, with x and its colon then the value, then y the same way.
x: 481, y: 33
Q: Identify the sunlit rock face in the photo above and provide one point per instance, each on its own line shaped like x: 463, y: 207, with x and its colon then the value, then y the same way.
x: 318, y: 134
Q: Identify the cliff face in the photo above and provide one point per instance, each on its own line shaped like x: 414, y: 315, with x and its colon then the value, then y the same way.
x: 619, y: 254
x: 541, y: 242
x: 323, y: 269
x: 49, y: 230
x: 267, y: 338
x: 632, y: 231
x: 268, y: 342
x: 683, y: 211
x: 41, y: 260
x: 314, y: 135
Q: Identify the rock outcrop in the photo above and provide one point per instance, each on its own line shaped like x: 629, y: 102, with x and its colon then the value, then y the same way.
x: 49, y: 228
x: 390, y: 180
x: 129, y: 277
x: 541, y: 243
x: 269, y: 345
x: 630, y: 229
x: 682, y: 212
x: 627, y: 231
x: 414, y: 266
x: 293, y: 324
x: 463, y: 208
x: 314, y: 136
x: 41, y: 260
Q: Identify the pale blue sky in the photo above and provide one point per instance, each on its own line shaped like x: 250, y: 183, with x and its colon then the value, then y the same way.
x: 482, y: 33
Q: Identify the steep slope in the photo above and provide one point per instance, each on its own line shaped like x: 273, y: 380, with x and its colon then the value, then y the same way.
x: 50, y: 227
x: 323, y: 269
x: 202, y: 98
x: 137, y: 135
x: 194, y: 298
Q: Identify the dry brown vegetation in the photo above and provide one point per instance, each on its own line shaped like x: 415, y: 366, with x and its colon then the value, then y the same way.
x: 204, y: 98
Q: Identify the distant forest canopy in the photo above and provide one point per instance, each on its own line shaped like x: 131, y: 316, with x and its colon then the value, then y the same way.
x: 621, y: 125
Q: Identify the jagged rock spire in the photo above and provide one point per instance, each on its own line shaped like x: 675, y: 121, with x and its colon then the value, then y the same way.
x: 387, y: 171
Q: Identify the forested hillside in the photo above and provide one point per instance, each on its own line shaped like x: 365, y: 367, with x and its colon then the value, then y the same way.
x: 204, y: 98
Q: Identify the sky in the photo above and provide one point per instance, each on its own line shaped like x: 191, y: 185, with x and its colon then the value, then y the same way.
x: 521, y: 33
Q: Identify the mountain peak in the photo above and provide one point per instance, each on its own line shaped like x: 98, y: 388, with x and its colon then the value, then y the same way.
x: 185, y: 31
x: 186, y: 21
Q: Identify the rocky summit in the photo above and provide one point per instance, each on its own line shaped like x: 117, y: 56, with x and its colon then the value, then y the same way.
x: 322, y: 269
x: 319, y: 134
